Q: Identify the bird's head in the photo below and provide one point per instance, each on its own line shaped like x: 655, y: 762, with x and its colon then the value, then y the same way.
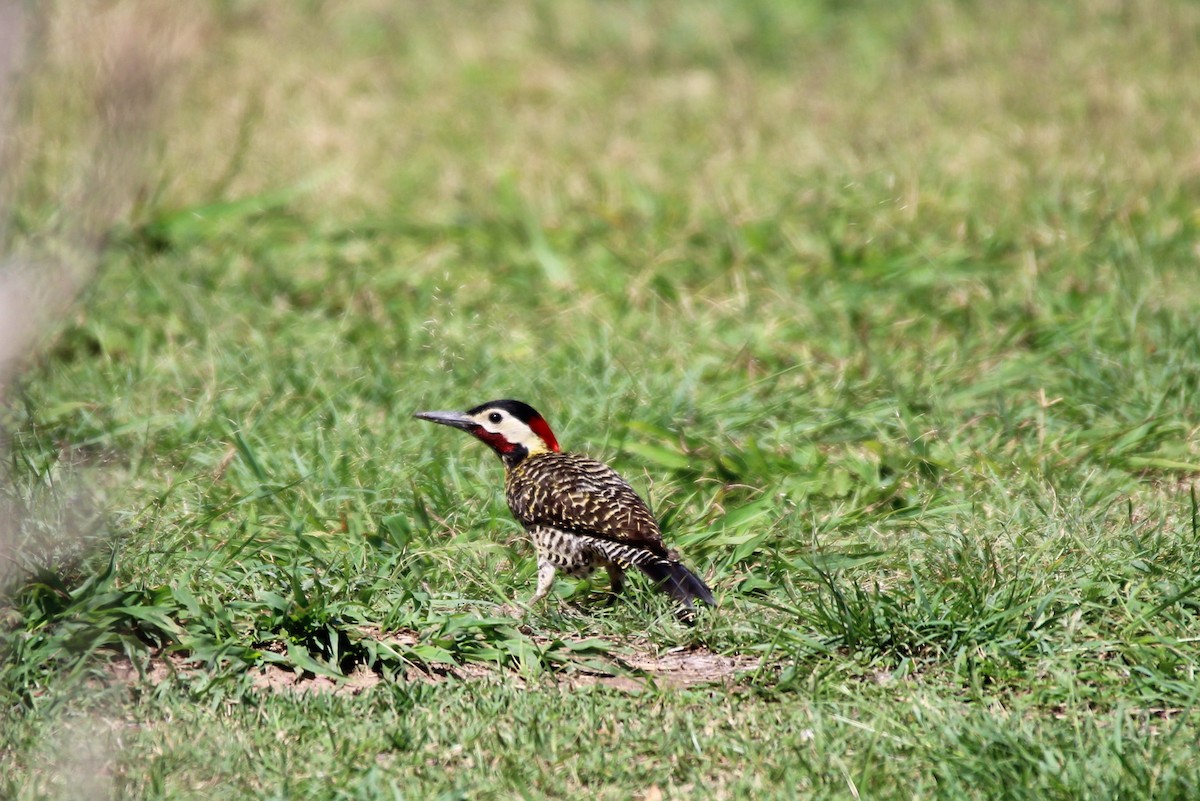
x: 513, y: 429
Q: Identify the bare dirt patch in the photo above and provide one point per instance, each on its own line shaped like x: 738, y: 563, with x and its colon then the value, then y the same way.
x: 680, y: 668
x: 694, y: 666
x: 638, y: 666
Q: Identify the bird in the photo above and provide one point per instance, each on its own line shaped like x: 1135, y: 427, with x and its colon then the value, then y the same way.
x: 578, y: 511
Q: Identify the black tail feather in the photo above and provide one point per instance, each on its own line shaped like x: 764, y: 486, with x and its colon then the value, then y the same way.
x: 668, y: 573
x: 680, y: 583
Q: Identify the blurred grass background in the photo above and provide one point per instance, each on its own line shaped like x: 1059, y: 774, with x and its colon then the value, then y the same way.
x: 889, y: 309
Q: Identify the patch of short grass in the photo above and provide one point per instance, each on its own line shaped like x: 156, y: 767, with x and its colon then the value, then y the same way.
x: 889, y: 313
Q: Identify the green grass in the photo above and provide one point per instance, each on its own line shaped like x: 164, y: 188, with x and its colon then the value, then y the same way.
x: 889, y: 309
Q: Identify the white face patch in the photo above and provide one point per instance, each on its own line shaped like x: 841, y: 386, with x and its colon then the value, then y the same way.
x: 498, y: 421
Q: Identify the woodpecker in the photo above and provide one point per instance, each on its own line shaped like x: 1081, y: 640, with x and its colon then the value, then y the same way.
x: 580, y: 514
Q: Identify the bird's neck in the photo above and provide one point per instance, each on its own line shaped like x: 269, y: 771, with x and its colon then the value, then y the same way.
x: 514, y: 457
x: 521, y: 453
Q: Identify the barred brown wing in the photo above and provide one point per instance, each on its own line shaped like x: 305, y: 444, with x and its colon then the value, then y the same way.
x: 576, y: 493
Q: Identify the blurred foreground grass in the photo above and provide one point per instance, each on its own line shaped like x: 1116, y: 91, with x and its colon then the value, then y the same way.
x: 888, y: 308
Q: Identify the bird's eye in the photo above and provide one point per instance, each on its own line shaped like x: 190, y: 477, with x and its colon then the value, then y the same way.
x: 495, y: 417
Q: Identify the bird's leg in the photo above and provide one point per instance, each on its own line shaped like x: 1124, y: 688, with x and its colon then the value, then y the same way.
x: 616, y: 581
x: 545, y: 581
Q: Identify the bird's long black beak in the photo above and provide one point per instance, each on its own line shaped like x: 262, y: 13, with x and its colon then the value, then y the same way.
x: 453, y: 419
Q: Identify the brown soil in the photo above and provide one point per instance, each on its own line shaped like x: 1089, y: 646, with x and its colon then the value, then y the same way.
x: 674, y: 668
x: 640, y: 666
